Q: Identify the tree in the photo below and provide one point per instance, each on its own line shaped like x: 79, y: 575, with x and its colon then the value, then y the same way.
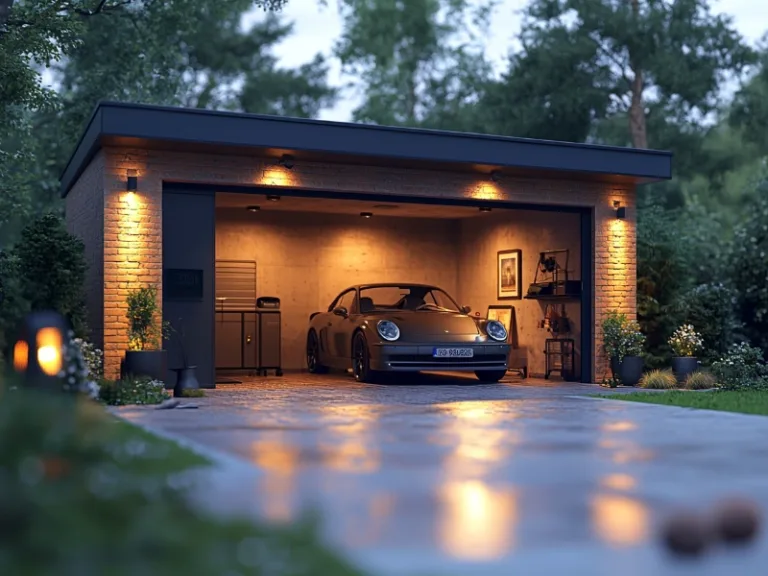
x: 416, y: 62
x: 749, y: 110
x: 665, y: 58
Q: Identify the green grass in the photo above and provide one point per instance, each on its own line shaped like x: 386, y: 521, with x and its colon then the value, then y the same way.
x: 745, y: 402
x: 165, y: 456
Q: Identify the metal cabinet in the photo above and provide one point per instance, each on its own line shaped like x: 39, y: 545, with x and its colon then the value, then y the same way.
x: 228, y: 334
x: 270, y: 341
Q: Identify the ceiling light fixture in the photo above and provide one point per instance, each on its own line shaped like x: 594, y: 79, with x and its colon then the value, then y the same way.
x: 253, y: 208
x: 485, y: 209
x: 286, y: 161
x: 366, y: 214
x: 273, y: 197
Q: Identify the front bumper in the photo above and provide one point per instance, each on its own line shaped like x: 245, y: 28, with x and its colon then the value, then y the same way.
x: 418, y: 357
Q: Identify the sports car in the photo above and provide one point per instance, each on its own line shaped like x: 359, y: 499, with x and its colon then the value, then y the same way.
x: 376, y: 328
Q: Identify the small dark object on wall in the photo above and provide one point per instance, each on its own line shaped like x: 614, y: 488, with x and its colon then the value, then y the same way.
x: 182, y: 284
x: 737, y: 521
x: 687, y: 534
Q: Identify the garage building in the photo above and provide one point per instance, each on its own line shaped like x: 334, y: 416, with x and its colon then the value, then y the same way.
x: 220, y: 209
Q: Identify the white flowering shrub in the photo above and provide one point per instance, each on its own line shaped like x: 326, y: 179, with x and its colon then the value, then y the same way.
x: 685, y: 341
x: 621, y: 336
x: 94, y: 358
x: 138, y: 390
x: 75, y: 374
x: 743, y: 367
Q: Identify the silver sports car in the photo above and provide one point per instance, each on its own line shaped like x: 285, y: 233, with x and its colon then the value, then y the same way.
x: 376, y: 328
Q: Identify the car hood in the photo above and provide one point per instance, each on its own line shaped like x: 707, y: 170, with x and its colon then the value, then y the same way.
x: 428, y: 323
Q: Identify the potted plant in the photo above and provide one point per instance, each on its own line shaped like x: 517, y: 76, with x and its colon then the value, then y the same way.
x: 623, y: 343
x: 186, y: 379
x: 685, y: 342
x: 145, y: 356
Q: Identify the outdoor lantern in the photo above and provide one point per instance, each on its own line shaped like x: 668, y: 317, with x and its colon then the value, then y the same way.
x: 132, y: 180
x: 286, y: 161
x: 495, y: 176
x: 621, y: 211
x: 38, y: 353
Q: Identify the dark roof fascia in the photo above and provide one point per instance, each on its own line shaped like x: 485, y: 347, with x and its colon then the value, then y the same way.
x: 230, y: 129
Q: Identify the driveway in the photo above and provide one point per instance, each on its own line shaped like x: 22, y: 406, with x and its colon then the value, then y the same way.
x: 443, y: 476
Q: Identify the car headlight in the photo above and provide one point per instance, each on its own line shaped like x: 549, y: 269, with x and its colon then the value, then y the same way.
x: 496, y: 330
x: 388, y: 330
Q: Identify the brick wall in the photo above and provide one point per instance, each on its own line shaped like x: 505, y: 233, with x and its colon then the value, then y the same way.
x: 85, y: 219
x: 132, y: 232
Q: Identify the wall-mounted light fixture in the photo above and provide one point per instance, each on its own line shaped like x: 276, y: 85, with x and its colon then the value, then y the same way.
x: 39, y: 351
x: 495, y: 176
x: 621, y: 211
x: 273, y: 197
x: 132, y: 180
x: 485, y: 208
x: 253, y: 208
x: 366, y: 214
x: 286, y: 161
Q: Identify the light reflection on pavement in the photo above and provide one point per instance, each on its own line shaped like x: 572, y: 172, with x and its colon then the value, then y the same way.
x: 478, y: 479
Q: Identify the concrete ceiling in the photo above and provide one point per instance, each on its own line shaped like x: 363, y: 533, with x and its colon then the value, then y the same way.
x: 229, y: 200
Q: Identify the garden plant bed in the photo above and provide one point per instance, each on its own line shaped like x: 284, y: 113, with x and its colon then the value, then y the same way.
x: 745, y: 402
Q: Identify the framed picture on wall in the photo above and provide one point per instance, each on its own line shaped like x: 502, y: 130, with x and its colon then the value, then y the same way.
x: 509, y: 268
x: 503, y: 314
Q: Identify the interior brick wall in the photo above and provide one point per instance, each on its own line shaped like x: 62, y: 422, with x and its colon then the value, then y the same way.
x: 132, y: 235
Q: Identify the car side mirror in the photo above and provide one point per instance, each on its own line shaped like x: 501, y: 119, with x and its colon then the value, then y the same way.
x: 466, y: 309
x: 340, y: 311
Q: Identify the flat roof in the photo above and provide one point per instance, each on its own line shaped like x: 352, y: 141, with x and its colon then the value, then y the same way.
x: 145, y: 126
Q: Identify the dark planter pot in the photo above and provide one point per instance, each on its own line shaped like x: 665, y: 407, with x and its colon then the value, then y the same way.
x: 629, y: 371
x: 682, y: 366
x: 148, y: 363
x: 186, y: 379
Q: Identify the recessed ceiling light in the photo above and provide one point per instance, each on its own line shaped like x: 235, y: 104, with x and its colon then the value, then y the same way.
x: 485, y: 209
x: 366, y: 214
x: 253, y: 208
x: 273, y: 197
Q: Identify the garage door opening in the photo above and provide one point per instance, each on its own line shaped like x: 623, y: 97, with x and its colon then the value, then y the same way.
x: 305, y: 250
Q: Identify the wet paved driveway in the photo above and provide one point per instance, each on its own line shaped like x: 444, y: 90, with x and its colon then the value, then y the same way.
x: 449, y: 477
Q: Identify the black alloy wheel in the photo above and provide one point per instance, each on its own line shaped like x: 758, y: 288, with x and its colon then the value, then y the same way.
x: 313, y: 355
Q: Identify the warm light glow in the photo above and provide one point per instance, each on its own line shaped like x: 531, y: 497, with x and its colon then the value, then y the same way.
x: 477, y: 522
x: 277, y: 176
x: 131, y: 200
x: 280, y: 461
x: 483, y: 190
x: 20, y: 356
x: 621, y: 482
x: 621, y: 426
x: 619, y: 520
x: 350, y: 448
x: 49, y: 350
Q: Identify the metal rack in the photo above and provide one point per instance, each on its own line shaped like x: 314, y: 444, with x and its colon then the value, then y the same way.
x: 560, y: 357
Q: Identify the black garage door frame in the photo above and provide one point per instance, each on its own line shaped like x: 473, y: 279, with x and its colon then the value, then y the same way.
x: 174, y: 243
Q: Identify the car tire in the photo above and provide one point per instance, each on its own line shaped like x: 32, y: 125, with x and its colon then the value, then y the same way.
x: 490, y: 376
x: 361, y: 360
x: 313, y: 355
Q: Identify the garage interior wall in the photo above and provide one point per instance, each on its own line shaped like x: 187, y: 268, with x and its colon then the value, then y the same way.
x: 306, y: 259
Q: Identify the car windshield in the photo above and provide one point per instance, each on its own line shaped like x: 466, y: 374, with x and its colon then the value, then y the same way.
x: 406, y: 297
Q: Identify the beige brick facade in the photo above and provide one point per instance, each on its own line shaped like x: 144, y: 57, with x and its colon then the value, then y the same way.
x: 132, y: 223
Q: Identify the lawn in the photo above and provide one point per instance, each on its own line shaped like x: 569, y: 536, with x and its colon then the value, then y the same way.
x: 746, y: 402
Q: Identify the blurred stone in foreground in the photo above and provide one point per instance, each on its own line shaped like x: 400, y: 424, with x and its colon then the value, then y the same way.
x: 737, y: 521
x: 687, y: 534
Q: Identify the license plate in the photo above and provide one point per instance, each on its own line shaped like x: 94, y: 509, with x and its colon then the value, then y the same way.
x: 453, y: 353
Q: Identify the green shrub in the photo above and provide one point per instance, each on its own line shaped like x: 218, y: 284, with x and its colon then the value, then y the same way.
x: 742, y: 368
x: 145, y: 330
x: 658, y: 380
x: 51, y: 266
x: 621, y: 336
x: 13, y: 306
x: 141, y: 391
x: 712, y: 309
x: 700, y: 380
x: 749, y: 267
